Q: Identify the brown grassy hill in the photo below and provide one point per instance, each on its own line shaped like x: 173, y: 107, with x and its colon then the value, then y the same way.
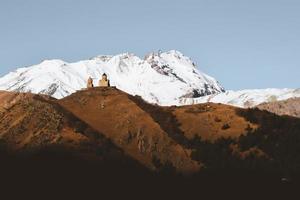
x: 31, y: 123
x: 213, y: 135
x: 131, y: 128
x: 214, y: 142
x: 289, y: 107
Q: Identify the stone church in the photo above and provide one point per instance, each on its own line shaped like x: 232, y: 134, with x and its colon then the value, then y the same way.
x: 90, y: 83
x: 103, y: 82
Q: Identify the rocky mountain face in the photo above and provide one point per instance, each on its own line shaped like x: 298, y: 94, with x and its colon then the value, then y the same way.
x: 289, y: 107
x: 161, y: 78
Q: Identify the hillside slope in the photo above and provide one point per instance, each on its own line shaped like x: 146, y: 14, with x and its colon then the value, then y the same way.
x: 131, y: 128
x: 216, y: 136
x: 106, y: 123
x: 289, y: 107
x: 31, y: 123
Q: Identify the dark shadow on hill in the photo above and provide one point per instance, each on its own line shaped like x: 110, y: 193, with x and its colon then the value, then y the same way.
x: 165, y: 118
x: 55, y: 173
x: 277, y: 136
x: 269, y: 154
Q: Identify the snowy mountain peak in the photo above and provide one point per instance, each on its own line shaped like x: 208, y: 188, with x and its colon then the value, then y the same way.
x: 52, y: 62
x: 103, y: 58
x: 161, y: 77
x: 173, y: 55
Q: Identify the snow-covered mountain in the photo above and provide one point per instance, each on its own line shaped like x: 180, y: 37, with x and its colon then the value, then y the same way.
x: 161, y: 78
x: 168, y: 78
x: 245, y: 98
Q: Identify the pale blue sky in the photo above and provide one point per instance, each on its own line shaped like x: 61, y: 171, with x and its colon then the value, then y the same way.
x: 242, y: 43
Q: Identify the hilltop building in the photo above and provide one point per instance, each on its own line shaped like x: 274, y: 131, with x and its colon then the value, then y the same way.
x: 90, y: 83
x: 104, y: 82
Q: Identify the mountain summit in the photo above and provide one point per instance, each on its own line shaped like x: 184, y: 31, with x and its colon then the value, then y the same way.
x: 163, y: 78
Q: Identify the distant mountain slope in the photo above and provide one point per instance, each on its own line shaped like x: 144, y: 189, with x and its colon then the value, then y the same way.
x: 245, y: 98
x: 159, y: 78
x: 289, y: 107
